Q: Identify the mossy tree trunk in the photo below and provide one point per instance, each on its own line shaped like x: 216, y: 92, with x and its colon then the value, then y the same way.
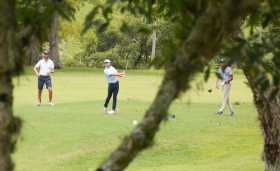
x: 268, y: 108
x: 54, y: 39
x: 218, y: 22
x: 33, y: 51
x: 9, y: 125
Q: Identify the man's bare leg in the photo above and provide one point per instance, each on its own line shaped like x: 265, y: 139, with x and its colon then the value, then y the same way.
x: 39, y: 97
x: 50, y: 95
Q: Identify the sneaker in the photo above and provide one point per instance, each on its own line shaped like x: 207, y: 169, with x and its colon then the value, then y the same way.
x: 105, y: 110
x: 39, y: 104
x: 51, y: 103
x: 219, y: 113
x: 111, y: 112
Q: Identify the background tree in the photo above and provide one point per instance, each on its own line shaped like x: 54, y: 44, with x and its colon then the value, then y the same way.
x: 54, y: 37
x: 258, y: 55
x: 13, y: 14
x: 40, y: 20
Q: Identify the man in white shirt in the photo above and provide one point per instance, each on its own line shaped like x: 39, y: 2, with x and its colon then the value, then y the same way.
x: 43, y: 70
x: 226, y: 76
x: 111, y: 75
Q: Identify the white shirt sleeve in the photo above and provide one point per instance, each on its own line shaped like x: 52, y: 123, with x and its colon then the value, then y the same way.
x: 52, y: 65
x: 38, y: 64
x: 114, y: 71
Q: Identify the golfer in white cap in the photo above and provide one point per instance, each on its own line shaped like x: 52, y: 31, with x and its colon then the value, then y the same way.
x: 113, y: 85
x: 226, y: 77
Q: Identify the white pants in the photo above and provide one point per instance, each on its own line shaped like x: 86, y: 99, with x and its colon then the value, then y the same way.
x: 226, y: 102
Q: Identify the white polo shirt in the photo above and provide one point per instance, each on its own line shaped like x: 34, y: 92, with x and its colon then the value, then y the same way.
x: 45, y: 67
x: 226, y: 74
x: 109, y: 73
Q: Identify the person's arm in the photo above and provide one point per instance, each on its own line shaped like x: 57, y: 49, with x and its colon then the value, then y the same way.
x: 229, y: 80
x: 230, y: 73
x: 36, y: 68
x: 119, y: 74
x: 51, y: 69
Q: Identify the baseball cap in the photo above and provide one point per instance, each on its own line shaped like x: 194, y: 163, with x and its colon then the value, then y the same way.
x: 45, y: 52
x: 107, y: 61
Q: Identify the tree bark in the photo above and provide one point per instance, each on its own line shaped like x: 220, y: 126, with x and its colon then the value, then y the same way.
x: 268, y: 108
x: 54, y: 40
x: 191, y: 57
x: 9, y: 125
x: 33, y: 50
x: 154, y: 45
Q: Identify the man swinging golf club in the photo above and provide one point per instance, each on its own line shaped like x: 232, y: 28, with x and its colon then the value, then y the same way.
x: 226, y: 76
x: 113, y: 85
x: 43, y: 70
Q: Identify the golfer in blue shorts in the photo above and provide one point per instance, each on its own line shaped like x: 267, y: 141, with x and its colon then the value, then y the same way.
x: 43, y: 70
x: 113, y: 85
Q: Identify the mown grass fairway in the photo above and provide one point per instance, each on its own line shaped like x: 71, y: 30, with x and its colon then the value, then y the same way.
x: 75, y: 135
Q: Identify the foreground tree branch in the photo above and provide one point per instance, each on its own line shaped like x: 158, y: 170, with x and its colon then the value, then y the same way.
x: 192, y: 55
x: 9, y: 65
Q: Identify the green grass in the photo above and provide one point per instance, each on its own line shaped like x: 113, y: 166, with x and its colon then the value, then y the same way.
x: 75, y: 135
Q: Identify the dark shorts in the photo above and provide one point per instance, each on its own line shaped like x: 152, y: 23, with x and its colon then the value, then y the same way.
x: 44, y: 80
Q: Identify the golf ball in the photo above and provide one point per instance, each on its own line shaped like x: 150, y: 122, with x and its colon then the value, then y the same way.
x: 134, y: 122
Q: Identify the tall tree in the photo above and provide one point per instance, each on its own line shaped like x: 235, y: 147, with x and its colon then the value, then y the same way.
x: 54, y: 37
x: 258, y: 56
x: 192, y: 52
x: 260, y: 64
x: 30, y: 16
x: 154, y: 44
x: 268, y: 108
x: 41, y: 19
x: 10, y: 64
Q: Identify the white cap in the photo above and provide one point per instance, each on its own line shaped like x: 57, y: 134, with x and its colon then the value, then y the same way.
x: 107, y: 61
x: 45, y: 52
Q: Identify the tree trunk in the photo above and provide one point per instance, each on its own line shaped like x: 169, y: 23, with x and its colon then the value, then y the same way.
x: 9, y: 125
x: 268, y: 108
x: 154, y: 40
x: 33, y: 50
x: 191, y: 57
x: 54, y: 40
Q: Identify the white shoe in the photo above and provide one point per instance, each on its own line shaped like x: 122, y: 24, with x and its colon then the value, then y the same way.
x: 105, y: 110
x: 111, y: 112
x: 51, y: 103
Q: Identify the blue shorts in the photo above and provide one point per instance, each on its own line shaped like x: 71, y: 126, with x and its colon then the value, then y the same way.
x: 44, y: 80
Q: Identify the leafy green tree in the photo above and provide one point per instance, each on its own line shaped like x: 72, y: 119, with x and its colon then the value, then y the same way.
x: 257, y: 53
x: 39, y: 22
x: 17, y: 23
